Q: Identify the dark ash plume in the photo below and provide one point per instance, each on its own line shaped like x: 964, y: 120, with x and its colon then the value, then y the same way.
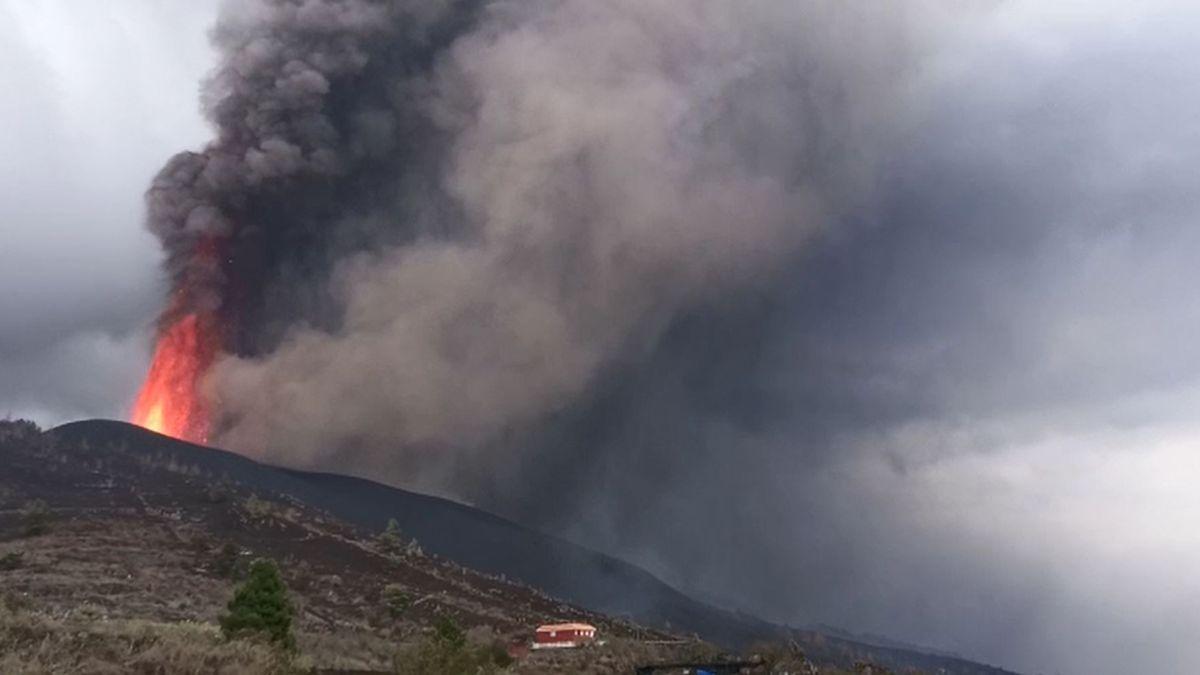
x: 519, y: 251
x: 661, y: 273
x: 441, y: 230
x: 254, y: 224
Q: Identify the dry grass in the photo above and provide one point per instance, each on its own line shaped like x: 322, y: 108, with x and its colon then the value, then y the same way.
x: 33, y: 642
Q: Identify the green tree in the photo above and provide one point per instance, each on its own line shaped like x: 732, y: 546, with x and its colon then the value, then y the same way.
x: 392, y: 540
x: 260, y: 607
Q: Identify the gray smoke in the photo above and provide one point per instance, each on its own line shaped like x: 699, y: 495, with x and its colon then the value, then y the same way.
x: 957, y: 406
x: 869, y: 313
x: 592, y: 171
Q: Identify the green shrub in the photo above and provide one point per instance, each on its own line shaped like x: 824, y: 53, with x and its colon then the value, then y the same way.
x: 11, y: 561
x: 396, y: 600
x: 260, y: 608
x: 447, y: 631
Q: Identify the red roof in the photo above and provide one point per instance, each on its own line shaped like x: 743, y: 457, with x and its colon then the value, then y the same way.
x: 565, y: 627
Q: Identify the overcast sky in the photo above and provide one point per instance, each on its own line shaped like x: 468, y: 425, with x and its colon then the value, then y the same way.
x: 96, y: 97
x: 1004, y: 367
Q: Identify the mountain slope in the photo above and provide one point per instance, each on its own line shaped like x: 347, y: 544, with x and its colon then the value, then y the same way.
x: 493, y: 545
x: 115, y: 559
x: 468, y: 536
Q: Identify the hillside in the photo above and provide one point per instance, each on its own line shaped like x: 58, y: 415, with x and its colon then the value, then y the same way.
x: 144, y: 526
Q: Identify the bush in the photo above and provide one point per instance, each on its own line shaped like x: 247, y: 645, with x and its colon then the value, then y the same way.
x: 396, y: 600
x: 260, y: 608
x: 447, y: 652
x: 36, y: 519
x: 12, y: 561
x: 446, y: 630
x: 258, y: 509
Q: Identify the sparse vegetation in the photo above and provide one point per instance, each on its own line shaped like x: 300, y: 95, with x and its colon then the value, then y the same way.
x: 447, y: 630
x: 780, y: 658
x: 396, y: 600
x: 261, y: 608
x: 391, y: 539
x: 228, y: 564
x: 256, y: 508
x: 35, y: 519
x: 413, y: 548
x: 265, y: 510
x: 31, y: 642
x: 130, y: 563
x: 447, y: 652
x: 19, y: 431
x: 217, y: 494
x: 394, y: 543
x: 13, y: 560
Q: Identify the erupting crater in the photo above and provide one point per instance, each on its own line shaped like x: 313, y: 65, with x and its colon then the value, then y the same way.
x: 170, y: 402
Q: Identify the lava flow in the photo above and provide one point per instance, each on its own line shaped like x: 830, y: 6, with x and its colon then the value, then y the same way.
x: 170, y: 402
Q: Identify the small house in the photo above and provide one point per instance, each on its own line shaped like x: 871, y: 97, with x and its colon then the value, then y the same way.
x: 563, y: 635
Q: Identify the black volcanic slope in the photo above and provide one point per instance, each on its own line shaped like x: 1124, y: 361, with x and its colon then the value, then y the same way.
x: 488, y: 543
x: 468, y: 536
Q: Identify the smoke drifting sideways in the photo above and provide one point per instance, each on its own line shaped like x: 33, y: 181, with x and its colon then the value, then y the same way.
x: 876, y: 314
x: 428, y: 229
x: 456, y: 245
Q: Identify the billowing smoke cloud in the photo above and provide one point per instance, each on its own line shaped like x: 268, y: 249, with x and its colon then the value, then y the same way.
x: 444, y: 227
x: 838, y: 311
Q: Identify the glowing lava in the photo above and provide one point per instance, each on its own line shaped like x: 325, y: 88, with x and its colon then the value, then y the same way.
x: 170, y: 402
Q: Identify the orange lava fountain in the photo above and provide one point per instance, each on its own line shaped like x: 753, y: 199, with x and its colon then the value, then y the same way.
x: 170, y: 402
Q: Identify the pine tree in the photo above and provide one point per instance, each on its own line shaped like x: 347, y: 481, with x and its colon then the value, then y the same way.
x: 392, y: 539
x: 261, y: 607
